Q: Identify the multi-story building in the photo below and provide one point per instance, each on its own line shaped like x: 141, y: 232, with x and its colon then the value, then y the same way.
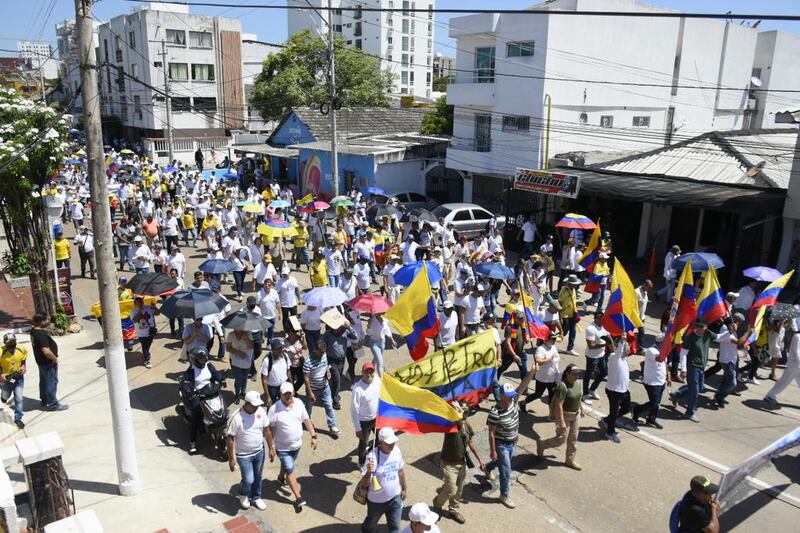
x: 403, y: 40
x: 254, y: 52
x: 41, y: 57
x: 777, y: 69
x: 443, y: 67
x: 69, y: 66
x: 159, y: 46
x: 530, y: 87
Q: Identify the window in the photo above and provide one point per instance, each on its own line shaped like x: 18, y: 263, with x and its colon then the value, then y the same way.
x: 519, y: 49
x: 388, y: 57
x: 205, y: 104
x: 480, y: 214
x: 430, y: 11
x: 641, y: 122
x: 179, y: 71
x: 404, y: 77
x: 514, y: 123
x: 181, y: 104
x: 202, y: 72
x: 357, y: 13
x: 357, y: 29
x: 158, y: 64
x: 405, y: 26
x: 583, y: 118
x: 337, y: 28
x: 137, y: 106
x: 389, y: 39
x: 412, y: 77
x: 105, y: 48
x: 484, y: 64
x: 405, y: 7
x: 606, y: 121
x: 132, y: 40
x: 461, y: 216
x: 349, y: 43
x: 200, y: 39
x: 428, y: 78
x: 135, y: 71
x: 176, y: 37
x: 337, y: 12
x: 404, y: 62
x: 483, y: 133
x: 358, y: 44
x: 405, y: 43
x: 121, y: 79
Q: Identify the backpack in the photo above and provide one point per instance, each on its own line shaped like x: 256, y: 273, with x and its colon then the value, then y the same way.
x: 675, y: 517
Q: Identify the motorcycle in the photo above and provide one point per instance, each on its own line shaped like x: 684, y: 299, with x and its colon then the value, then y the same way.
x: 215, y: 414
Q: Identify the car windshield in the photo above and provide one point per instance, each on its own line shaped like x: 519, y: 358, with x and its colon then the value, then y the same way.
x: 441, y: 211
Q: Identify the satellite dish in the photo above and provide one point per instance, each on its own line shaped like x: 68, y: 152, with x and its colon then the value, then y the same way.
x: 755, y: 80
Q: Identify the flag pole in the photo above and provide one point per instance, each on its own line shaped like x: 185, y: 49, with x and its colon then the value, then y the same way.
x: 439, y: 335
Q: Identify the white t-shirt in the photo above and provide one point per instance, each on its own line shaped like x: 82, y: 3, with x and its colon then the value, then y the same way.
x: 449, y: 327
x: 409, y: 252
x: 548, y: 372
x: 595, y: 333
x: 745, y: 299
x: 262, y: 272
x: 529, y: 231
x: 387, y: 470
x: 247, y: 429
x: 144, y: 320
x: 728, y: 351
x: 618, y: 370
x: 240, y: 344
x: 361, y: 273
x: 311, y: 319
x: 286, y: 291
x: 279, y: 373
x: 268, y: 302
x: 334, y: 260
x: 171, y: 227
x: 655, y: 371
x: 472, y: 309
x: 388, y: 273
x: 287, y: 424
x: 202, y: 377
x: 178, y: 262
x: 348, y: 286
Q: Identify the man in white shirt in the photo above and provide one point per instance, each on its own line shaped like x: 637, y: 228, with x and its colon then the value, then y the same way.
x: 361, y: 273
x: 654, y: 377
x: 246, y: 432
x: 364, y: 407
x: 230, y: 243
x: 85, y: 243
x: 268, y: 303
x: 528, y: 233
x: 409, y: 249
x: 619, y: 397
x: 170, y: 229
x: 746, y: 298
x: 383, y: 475
x: 596, y: 360
x: 177, y: 260
x: 472, y: 308
x: 275, y: 371
x: 728, y: 357
x: 670, y: 275
x: 642, y: 298
x: 140, y: 254
x: 334, y: 261
x: 449, y: 324
x: 348, y: 284
x: 285, y: 437
x: 264, y: 270
x: 390, y: 287
x: 288, y: 293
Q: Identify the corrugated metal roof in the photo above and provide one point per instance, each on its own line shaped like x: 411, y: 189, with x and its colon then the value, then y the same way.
x: 762, y: 158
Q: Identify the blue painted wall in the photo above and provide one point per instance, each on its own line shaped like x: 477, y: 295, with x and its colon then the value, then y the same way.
x: 362, y: 166
x: 293, y: 131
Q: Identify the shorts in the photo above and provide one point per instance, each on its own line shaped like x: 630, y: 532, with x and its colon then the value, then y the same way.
x: 287, y: 459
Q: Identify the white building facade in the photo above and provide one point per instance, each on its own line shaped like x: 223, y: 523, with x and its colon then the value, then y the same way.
x: 777, y: 65
x: 201, y: 57
x: 530, y: 87
x: 403, y: 40
x: 254, y: 52
x: 41, y: 56
x: 69, y: 64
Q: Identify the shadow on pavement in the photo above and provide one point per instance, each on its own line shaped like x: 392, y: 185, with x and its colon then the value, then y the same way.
x: 175, y: 433
x: 98, y: 487
x: 761, y: 405
x: 96, y: 346
x: 154, y: 396
x: 218, y: 503
x: 787, y: 465
x: 335, y: 528
x: 743, y: 510
x: 132, y: 359
x: 429, y: 464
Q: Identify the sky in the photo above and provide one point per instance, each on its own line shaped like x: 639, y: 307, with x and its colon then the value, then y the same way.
x: 36, y: 19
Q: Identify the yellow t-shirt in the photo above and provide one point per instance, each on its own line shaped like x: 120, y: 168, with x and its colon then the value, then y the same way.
x: 62, y: 249
x: 188, y: 221
x: 319, y: 273
x: 12, y: 362
x: 567, y: 299
x: 301, y: 239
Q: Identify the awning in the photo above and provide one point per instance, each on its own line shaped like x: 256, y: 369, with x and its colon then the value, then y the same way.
x: 677, y: 191
x: 265, y: 149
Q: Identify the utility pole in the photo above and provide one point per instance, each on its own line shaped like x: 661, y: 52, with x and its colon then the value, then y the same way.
x: 116, y: 373
x: 41, y: 79
x: 334, y: 102
x: 167, y: 99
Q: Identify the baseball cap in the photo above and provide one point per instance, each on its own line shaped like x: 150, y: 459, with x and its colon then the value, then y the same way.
x: 276, y: 343
x: 703, y: 484
x: 138, y: 238
x: 369, y: 365
x: 509, y: 391
x: 123, y: 279
x: 285, y: 270
x: 387, y: 435
x: 287, y: 387
x: 9, y: 337
x: 447, y: 304
x: 420, y: 512
x: 254, y: 398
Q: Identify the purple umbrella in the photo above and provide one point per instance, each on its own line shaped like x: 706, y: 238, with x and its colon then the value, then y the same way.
x: 762, y: 273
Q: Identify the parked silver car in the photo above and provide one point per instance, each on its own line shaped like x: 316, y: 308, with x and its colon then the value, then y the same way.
x: 467, y: 219
x: 409, y: 200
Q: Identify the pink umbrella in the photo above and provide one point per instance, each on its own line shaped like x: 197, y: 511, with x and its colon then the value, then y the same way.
x: 370, y: 303
x: 319, y: 205
x: 576, y: 221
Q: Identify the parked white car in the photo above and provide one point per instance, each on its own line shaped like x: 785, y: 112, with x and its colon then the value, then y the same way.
x: 467, y: 219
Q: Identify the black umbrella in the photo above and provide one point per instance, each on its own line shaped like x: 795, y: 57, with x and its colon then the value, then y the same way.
x: 782, y: 311
x: 382, y: 210
x: 193, y: 304
x: 151, y: 284
x: 418, y: 213
x: 244, y: 321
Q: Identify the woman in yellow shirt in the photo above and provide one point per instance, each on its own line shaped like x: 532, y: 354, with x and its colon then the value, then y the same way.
x: 187, y: 219
x: 318, y: 272
x: 300, y: 241
x: 210, y: 229
x: 62, y: 251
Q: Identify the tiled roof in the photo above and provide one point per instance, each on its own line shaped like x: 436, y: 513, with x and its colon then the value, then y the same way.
x: 360, y: 121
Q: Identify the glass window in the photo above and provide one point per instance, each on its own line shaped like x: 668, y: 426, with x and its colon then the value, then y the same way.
x: 405, y: 43
x: 440, y: 211
x: 484, y: 64
x: 462, y: 215
x: 179, y: 71
x: 405, y: 25
x: 480, y: 214
x: 358, y: 44
x: 200, y: 39
x: 519, y: 49
x: 176, y: 37
x: 483, y: 133
x: 404, y: 77
x: 606, y: 121
x: 135, y: 71
x: 132, y: 40
x: 205, y: 104
x: 404, y: 61
x: 641, y: 122
x: 181, y: 104
x: 583, y: 118
x: 514, y: 123
x: 202, y: 72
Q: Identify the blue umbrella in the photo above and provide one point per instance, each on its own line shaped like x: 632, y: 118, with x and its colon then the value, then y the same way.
x: 373, y: 190
x: 193, y: 304
x: 700, y: 261
x: 171, y: 168
x: 279, y: 204
x: 494, y: 271
x: 73, y: 161
x: 762, y: 273
x: 324, y: 297
x: 406, y: 274
x: 216, y: 266
x: 230, y: 176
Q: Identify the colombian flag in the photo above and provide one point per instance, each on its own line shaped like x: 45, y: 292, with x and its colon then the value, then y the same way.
x: 589, y: 257
x: 768, y: 297
x: 711, y: 304
x: 536, y: 328
x: 414, y: 314
x: 413, y: 410
x: 111, y: 165
x: 306, y: 204
x: 682, y: 313
x: 622, y: 313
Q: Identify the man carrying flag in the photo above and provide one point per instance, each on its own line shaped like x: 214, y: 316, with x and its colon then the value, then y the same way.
x: 694, y: 357
x: 622, y: 313
x: 414, y: 315
x: 682, y: 312
x: 712, y: 305
x: 768, y: 297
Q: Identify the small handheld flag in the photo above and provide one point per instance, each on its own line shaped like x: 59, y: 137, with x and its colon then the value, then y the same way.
x: 682, y: 313
x: 414, y: 314
x: 622, y: 312
x: 412, y: 409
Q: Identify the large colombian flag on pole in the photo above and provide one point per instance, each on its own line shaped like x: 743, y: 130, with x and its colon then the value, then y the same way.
x: 413, y: 410
x: 536, y: 328
x: 622, y: 313
x: 711, y: 304
x: 414, y: 314
x: 306, y: 203
x: 768, y: 297
x: 590, y: 256
x: 682, y: 313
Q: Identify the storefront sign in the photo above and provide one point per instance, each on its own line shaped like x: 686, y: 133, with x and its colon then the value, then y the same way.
x: 545, y: 182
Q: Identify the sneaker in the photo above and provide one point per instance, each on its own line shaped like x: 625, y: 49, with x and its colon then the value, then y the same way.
x: 523, y: 406
x: 20, y: 424
x: 298, y: 505
x: 193, y: 450
x: 244, y: 502
x: 586, y: 399
x: 720, y: 403
x: 614, y: 437
x: 237, y: 399
x: 694, y: 419
x: 770, y: 400
x: 505, y: 500
x: 60, y: 407
x: 572, y: 352
x: 147, y: 364
x: 594, y: 395
x: 573, y: 465
x: 259, y: 503
x: 335, y: 431
x: 457, y: 517
x: 654, y: 424
x: 753, y: 381
x: 673, y: 399
x: 636, y: 420
x: 337, y: 406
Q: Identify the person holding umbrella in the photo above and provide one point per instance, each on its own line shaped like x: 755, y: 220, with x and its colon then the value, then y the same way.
x: 196, y: 335
x: 144, y: 316
x: 239, y: 344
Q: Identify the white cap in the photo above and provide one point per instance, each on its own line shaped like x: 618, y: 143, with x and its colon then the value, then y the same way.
x: 138, y: 238
x: 287, y: 387
x: 387, y: 435
x: 253, y: 398
x: 447, y: 304
x: 420, y: 512
x: 285, y: 270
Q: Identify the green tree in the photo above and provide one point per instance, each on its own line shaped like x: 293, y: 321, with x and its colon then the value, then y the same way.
x: 39, y: 133
x: 440, y: 83
x: 297, y: 76
x: 440, y: 121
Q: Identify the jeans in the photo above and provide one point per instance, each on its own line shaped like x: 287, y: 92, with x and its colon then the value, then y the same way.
x: 251, y: 467
x: 654, y: 393
x: 393, y: 509
x: 337, y: 369
x: 619, y: 404
x: 172, y: 323
x: 14, y: 388
x: 568, y: 324
x: 694, y: 384
x: 728, y: 384
x: 505, y: 449
x: 238, y: 281
x: 86, y: 258
x: 527, y: 248
x: 598, y: 365
x: 288, y: 460
x: 193, y: 233
x: 333, y: 280
x: 367, y: 429
x: 376, y: 345
x: 301, y: 256
x: 48, y: 384
x: 239, y: 380
x: 324, y: 397
x: 123, y: 255
x: 146, y: 342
